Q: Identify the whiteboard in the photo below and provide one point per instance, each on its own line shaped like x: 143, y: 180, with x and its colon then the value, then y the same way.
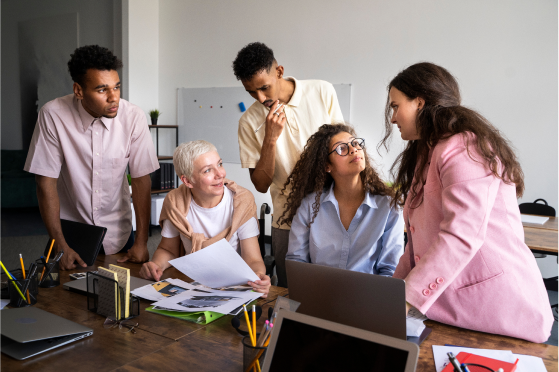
x: 213, y: 114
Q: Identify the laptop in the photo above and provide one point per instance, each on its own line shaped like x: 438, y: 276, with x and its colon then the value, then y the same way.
x: 85, y: 239
x: 304, y: 343
x: 371, y: 302
x: 28, y: 331
x: 80, y: 285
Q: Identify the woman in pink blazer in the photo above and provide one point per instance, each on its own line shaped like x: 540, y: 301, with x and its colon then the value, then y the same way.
x: 458, y: 179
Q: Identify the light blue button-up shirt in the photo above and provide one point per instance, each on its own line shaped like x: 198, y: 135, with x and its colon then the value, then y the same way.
x: 373, y: 243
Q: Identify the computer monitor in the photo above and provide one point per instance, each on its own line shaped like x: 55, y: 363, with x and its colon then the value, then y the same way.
x: 304, y: 343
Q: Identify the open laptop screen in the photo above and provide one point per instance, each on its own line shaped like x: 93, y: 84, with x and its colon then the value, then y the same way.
x: 305, y: 347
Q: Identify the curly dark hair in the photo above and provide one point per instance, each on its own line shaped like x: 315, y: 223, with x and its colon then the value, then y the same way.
x: 309, y: 174
x: 91, y: 56
x: 441, y: 117
x: 252, y: 59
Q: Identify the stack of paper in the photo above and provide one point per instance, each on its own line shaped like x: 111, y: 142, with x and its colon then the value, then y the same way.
x: 217, y: 265
x: 414, y: 323
x: 527, y: 363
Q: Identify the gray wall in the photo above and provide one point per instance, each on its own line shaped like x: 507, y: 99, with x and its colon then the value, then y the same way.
x: 99, y: 22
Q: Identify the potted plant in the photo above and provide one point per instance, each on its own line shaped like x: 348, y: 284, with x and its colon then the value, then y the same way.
x: 154, y: 115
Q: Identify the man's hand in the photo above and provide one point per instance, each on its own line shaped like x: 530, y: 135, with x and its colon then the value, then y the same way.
x: 68, y: 258
x: 275, y: 122
x: 150, y: 270
x: 262, y: 285
x: 137, y: 254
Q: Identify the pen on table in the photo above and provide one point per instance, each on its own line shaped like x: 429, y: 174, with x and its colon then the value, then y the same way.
x: 48, y: 255
x: 454, y: 362
x: 13, y: 280
x: 23, y: 272
x: 464, y: 368
x: 275, y: 111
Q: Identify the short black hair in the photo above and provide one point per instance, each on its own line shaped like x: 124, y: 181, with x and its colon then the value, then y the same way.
x: 252, y: 59
x: 91, y: 56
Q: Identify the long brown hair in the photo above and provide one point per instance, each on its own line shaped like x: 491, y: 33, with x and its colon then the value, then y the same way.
x: 309, y: 174
x: 441, y: 117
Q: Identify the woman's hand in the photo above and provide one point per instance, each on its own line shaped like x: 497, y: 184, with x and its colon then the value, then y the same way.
x: 150, y: 270
x: 262, y: 285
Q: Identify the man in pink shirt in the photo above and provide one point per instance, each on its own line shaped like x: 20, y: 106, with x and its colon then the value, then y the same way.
x: 79, y: 152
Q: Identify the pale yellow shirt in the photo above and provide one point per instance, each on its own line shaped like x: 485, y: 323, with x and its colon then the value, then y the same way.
x: 314, y: 103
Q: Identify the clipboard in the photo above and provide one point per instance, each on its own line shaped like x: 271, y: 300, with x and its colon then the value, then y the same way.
x: 85, y: 239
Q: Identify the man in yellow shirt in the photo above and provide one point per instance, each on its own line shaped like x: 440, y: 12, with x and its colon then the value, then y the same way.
x: 275, y: 128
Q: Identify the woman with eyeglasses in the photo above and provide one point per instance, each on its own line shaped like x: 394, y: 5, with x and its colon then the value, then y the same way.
x: 466, y: 263
x: 339, y: 209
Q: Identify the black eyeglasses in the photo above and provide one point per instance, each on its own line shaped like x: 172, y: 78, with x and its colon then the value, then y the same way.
x: 343, y: 148
x: 123, y: 325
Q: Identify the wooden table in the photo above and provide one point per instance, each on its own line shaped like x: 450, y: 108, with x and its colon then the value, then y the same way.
x: 550, y: 224
x: 172, y: 344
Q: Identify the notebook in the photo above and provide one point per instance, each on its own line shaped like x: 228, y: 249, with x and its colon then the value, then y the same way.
x: 85, y: 239
x: 123, y: 277
x: 108, y: 300
x: 304, y: 343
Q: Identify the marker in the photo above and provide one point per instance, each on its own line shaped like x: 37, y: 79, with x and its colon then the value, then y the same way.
x: 276, y: 110
x: 48, y: 255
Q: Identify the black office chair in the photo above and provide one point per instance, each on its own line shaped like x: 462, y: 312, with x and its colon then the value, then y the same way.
x: 269, y: 261
x: 542, y: 210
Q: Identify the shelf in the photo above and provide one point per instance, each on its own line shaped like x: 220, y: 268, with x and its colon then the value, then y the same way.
x: 164, y: 158
x: 163, y: 126
x: 161, y: 191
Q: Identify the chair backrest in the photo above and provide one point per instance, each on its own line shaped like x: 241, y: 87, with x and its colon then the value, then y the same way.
x: 537, y: 208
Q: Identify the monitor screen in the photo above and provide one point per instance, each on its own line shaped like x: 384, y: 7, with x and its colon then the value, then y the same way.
x: 303, y: 347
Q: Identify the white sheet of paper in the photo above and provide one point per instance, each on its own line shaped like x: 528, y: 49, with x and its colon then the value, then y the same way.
x: 150, y: 293
x: 414, y: 323
x: 217, y: 265
x: 4, y: 303
x: 218, y: 301
x: 441, y: 359
x: 533, y: 219
x: 528, y: 363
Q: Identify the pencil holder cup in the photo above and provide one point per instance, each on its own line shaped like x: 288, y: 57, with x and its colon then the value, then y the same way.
x: 23, y: 292
x: 252, y: 353
x: 49, y: 274
x: 4, y: 284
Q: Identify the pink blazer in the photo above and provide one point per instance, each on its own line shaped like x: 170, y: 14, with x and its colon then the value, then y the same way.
x: 466, y: 263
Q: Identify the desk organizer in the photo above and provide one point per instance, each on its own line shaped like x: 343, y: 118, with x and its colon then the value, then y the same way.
x: 105, y: 297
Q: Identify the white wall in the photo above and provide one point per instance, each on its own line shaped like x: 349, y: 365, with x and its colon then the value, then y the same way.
x: 141, y: 52
x: 504, y: 54
x: 95, y: 26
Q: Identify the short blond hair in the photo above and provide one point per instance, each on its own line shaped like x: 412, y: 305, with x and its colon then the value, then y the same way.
x: 186, y: 154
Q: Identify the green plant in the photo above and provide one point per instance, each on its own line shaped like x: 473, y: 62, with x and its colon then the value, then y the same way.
x: 154, y: 114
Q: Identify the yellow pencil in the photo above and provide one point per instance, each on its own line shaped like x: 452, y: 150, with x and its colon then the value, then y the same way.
x: 23, y: 271
x: 11, y: 277
x: 254, y: 332
x: 47, y: 259
x: 248, y: 324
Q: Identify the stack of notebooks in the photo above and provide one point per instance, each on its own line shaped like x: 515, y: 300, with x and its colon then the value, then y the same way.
x: 163, y: 178
x: 113, y: 302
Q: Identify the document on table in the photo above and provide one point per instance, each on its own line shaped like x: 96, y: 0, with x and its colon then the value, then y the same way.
x: 217, y: 265
x: 533, y: 219
x: 527, y: 363
x: 196, y: 300
x: 414, y: 323
x: 163, y: 289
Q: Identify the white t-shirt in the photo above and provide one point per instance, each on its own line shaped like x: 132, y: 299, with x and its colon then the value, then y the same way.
x: 212, y: 221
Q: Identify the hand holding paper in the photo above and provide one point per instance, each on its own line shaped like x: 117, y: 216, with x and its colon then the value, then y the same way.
x: 217, y: 265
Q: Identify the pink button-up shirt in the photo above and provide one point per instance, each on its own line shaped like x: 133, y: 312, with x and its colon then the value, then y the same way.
x: 466, y: 263
x: 89, y: 157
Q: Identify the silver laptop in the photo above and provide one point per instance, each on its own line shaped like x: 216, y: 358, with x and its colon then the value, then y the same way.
x: 28, y: 331
x: 371, y: 302
x: 304, y: 343
x: 80, y: 285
